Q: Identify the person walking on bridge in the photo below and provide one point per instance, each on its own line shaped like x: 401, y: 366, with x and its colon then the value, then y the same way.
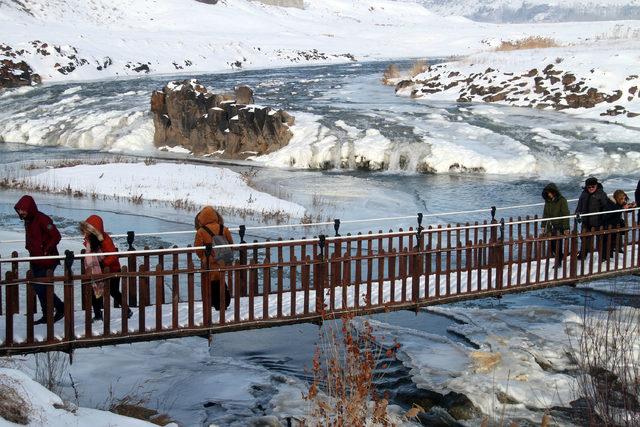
x: 97, y: 240
x: 616, y: 219
x: 210, y: 227
x: 41, y: 239
x: 592, y: 200
x: 555, y: 207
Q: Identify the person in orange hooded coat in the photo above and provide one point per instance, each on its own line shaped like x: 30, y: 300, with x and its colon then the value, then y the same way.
x: 99, y: 241
x: 208, y: 223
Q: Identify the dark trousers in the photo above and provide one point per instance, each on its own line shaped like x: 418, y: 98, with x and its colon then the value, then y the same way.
x: 41, y: 290
x: 114, y: 290
x: 215, y: 295
x: 557, y: 246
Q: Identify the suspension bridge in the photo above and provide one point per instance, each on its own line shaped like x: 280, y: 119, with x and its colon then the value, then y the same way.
x: 307, y: 280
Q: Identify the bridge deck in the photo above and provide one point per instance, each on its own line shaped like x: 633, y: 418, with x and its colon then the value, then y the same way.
x: 351, y: 278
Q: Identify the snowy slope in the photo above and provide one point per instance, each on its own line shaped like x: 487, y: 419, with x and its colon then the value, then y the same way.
x: 76, y: 40
x: 42, y: 407
x: 536, y: 10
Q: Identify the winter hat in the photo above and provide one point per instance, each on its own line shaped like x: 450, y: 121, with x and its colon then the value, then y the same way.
x: 591, y: 181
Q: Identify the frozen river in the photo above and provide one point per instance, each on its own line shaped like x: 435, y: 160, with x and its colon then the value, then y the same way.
x: 340, y: 109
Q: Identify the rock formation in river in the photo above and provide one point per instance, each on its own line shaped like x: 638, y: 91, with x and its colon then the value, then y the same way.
x: 186, y: 114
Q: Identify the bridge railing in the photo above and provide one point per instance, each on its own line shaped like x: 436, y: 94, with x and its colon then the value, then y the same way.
x: 288, y: 281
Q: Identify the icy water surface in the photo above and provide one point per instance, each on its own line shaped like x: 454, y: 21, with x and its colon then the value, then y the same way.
x: 341, y: 107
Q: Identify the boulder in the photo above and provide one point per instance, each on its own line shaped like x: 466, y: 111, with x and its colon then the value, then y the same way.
x: 186, y: 114
x: 244, y: 95
x: 15, y: 74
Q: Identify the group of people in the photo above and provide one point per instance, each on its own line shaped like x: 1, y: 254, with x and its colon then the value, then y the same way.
x: 42, y: 238
x: 593, y: 200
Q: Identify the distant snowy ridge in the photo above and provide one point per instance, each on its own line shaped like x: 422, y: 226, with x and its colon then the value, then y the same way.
x: 588, y: 83
x: 536, y: 10
x: 79, y: 40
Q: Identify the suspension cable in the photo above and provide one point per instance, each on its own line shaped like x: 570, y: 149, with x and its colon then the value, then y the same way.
x: 312, y: 224
x: 313, y: 240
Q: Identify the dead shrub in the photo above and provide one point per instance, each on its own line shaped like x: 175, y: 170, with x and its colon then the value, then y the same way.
x: 13, y: 407
x: 51, y: 367
x: 531, y: 42
x: 343, y: 385
x: 418, y: 67
x: 390, y: 73
x: 608, y: 362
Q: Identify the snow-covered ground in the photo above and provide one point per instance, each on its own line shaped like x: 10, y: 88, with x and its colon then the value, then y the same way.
x: 77, y: 40
x: 542, y: 78
x: 182, y: 185
x: 25, y: 398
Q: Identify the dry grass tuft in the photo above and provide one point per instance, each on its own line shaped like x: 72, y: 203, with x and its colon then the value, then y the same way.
x: 531, y: 42
x: 133, y: 406
x: 418, y: 67
x: 390, y: 73
x: 13, y: 407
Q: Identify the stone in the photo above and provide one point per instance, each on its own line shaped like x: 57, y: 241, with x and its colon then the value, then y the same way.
x: 568, y: 79
x: 186, y: 114
x: 16, y: 74
x: 244, y: 95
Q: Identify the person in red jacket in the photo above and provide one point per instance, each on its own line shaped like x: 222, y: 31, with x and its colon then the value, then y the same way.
x: 99, y: 241
x: 41, y: 239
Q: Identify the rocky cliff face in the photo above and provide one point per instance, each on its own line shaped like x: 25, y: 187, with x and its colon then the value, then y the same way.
x: 186, y: 114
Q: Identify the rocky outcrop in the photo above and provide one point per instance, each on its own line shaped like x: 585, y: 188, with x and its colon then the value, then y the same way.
x: 546, y: 87
x: 15, y: 74
x: 227, y: 125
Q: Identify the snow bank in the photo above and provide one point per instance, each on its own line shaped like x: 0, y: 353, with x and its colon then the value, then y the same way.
x: 182, y: 184
x: 559, y: 78
x: 77, y: 40
x: 45, y: 408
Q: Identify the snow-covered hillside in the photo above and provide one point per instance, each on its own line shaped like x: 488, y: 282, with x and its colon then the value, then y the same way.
x: 586, y: 83
x: 536, y: 10
x: 78, y: 40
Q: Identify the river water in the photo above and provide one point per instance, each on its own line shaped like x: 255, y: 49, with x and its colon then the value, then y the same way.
x: 338, y: 109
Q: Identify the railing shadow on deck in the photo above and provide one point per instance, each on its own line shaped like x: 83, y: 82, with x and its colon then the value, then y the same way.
x: 304, y: 280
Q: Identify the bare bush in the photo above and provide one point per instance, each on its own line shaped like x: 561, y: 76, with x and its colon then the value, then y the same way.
x: 531, y: 42
x: 390, y: 73
x: 418, y: 67
x: 51, y: 367
x: 343, y: 392
x: 608, y: 357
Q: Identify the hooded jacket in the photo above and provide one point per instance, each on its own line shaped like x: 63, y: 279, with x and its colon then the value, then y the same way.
x: 41, y: 235
x: 94, y: 225
x: 554, y: 208
x: 208, y: 217
x: 590, y: 203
